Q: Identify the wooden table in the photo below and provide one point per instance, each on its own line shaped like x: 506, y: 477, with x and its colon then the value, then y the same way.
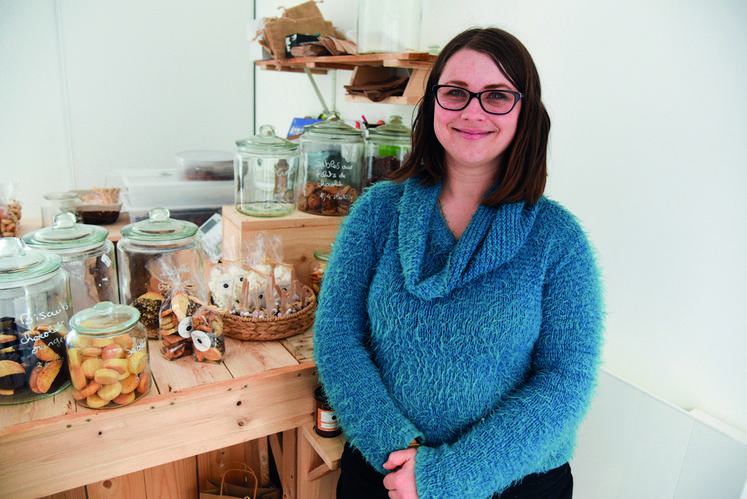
x: 261, y: 388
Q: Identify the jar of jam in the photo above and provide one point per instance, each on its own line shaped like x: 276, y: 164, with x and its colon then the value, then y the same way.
x: 332, y: 167
x: 107, y: 352
x: 87, y: 256
x: 155, y: 256
x: 321, y: 257
x: 387, y: 147
x: 34, y: 313
x: 266, y: 167
x: 326, y: 420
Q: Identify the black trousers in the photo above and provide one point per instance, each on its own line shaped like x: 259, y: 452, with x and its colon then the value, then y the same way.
x: 358, y: 480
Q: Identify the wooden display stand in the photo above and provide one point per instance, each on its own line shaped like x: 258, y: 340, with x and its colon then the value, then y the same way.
x: 300, y: 233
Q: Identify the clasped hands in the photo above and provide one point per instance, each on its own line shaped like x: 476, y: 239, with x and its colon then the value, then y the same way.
x: 400, y: 481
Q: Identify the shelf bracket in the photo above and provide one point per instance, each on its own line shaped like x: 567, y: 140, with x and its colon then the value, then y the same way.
x: 319, y: 96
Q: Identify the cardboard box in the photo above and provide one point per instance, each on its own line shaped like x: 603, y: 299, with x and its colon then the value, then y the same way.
x: 301, y: 234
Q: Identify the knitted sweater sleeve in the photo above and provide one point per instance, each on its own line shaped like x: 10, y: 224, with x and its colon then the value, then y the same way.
x: 537, y: 423
x: 365, y: 411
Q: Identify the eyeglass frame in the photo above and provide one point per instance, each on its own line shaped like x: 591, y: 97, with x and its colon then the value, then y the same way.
x: 478, y: 95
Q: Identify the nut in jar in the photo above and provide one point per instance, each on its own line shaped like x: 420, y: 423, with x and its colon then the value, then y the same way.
x: 107, y: 350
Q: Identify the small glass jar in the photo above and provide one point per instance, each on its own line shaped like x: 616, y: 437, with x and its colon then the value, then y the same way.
x: 389, y: 25
x: 59, y: 202
x: 87, y: 256
x: 34, y: 313
x: 326, y: 420
x: 107, y: 352
x: 332, y: 167
x: 321, y: 257
x: 266, y: 167
x: 155, y: 256
x: 387, y: 147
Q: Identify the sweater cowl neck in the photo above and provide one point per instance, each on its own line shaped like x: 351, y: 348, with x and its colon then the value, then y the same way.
x: 493, y: 237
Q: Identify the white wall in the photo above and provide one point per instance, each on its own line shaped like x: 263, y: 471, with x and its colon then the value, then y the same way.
x: 647, y: 147
x: 88, y: 87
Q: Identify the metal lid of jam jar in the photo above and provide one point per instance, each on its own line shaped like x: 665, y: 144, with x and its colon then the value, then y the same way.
x: 334, y: 129
x: 267, y: 143
x: 19, y: 263
x: 394, y: 131
x: 66, y: 234
x: 159, y: 228
x: 105, y: 318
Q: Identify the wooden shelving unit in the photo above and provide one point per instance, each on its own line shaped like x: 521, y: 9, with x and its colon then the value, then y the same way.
x: 366, y: 67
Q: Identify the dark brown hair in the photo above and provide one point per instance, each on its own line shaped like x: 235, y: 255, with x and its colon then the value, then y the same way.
x: 524, y: 173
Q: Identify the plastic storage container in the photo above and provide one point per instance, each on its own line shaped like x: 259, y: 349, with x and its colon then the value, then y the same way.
x: 332, y: 167
x: 151, y: 188
x: 107, y: 352
x: 389, y: 25
x: 387, y: 147
x: 205, y: 165
x: 266, y: 170
x: 155, y: 256
x: 34, y: 313
x: 87, y: 256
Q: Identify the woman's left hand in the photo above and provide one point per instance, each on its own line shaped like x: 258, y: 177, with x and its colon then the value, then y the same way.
x: 400, y: 482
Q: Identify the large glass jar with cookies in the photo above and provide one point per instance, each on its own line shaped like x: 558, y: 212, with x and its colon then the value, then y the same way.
x: 154, y: 257
x: 107, y: 353
x: 332, y: 167
x: 34, y: 312
x: 87, y: 256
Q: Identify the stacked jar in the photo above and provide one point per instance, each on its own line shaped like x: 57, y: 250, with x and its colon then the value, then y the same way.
x: 387, y: 147
x: 266, y: 167
x: 332, y: 167
x: 107, y: 351
x: 87, y: 256
x: 35, y: 309
x: 154, y: 257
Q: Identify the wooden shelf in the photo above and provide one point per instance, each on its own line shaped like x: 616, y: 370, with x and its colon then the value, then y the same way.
x: 366, y: 66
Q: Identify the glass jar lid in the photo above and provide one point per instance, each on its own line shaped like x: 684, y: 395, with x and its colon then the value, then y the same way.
x: 334, y: 129
x: 267, y: 143
x: 19, y: 263
x: 105, y: 318
x: 159, y: 228
x: 65, y: 233
x: 395, y: 130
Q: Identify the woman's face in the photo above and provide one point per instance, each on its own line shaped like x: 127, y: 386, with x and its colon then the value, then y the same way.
x: 471, y: 137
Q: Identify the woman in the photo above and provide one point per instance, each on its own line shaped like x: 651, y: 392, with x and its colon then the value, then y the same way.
x: 458, y: 332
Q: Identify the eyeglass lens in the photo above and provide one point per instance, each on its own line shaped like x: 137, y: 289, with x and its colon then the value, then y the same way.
x: 493, y: 101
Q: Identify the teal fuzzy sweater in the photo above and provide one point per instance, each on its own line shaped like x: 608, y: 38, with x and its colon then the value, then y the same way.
x: 486, y: 348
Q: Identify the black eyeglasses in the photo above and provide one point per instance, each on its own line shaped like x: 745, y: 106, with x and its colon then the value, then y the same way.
x: 454, y: 98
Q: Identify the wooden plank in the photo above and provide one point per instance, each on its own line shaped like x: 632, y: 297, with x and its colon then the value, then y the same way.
x: 316, y: 480
x: 301, y: 346
x: 184, y: 372
x: 173, y: 480
x: 56, y: 405
x: 77, y: 493
x: 122, y: 487
x: 328, y: 449
x: 246, y: 358
x: 93, y: 446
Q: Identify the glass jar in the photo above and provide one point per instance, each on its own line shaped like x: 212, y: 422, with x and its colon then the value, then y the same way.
x: 387, y: 147
x: 321, y: 257
x: 107, y: 352
x: 155, y: 256
x: 87, y: 256
x: 326, y: 420
x: 266, y: 167
x: 34, y: 313
x: 389, y: 25
x: 332, y: 167
x: 59, y: 202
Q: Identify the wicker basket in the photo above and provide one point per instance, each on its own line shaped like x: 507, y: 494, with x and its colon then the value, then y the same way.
x: 9, y: 226
x: 270, y: 328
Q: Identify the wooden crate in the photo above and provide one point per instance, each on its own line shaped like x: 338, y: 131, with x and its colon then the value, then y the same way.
x: 301, y: 233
